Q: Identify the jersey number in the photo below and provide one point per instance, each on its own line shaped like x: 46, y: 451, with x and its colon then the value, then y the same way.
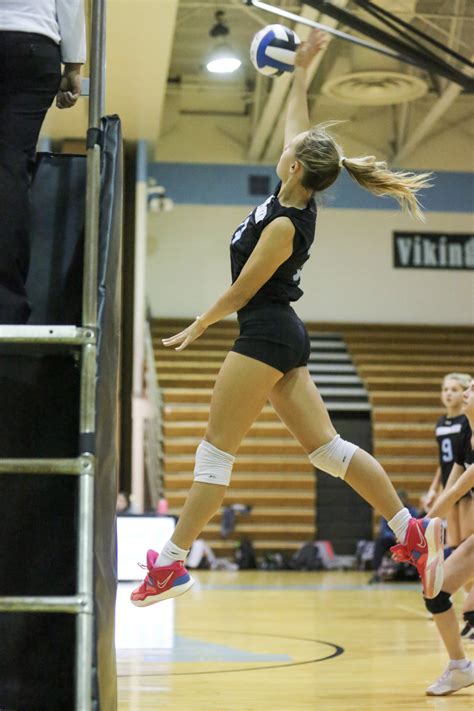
x: 446, y: 450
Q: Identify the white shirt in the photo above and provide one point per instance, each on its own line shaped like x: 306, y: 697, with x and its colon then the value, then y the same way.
x: 61, y: 20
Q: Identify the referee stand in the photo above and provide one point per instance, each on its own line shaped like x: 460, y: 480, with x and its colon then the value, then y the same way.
x: 58, y: 450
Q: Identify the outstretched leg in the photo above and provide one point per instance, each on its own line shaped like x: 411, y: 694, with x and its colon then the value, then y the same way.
x: 241, y: 390
x: 300, y: 406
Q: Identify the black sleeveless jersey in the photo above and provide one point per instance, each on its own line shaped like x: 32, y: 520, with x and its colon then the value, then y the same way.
x: 283, y: 285
x: 464, y: 455
x: 451, y: 435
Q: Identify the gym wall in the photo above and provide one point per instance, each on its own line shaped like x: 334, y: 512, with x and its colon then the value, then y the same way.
x: 350, y: 276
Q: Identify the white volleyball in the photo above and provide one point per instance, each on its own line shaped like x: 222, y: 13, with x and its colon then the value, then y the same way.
x: 273, y: 50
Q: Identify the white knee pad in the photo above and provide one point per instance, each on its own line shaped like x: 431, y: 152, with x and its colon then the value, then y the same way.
x: 333, y: 457
x: 212, y: 465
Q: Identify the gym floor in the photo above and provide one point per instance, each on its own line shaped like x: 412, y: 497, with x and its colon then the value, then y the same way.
x: 255, y: 640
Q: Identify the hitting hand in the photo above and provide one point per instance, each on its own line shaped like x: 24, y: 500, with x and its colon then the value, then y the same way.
x: 316, y: 42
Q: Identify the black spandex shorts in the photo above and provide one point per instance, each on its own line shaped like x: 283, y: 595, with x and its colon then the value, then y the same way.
x: 274, y: 335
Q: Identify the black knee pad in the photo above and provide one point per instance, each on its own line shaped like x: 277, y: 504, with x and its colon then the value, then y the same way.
x: 469, y: 617
x: 440, y: 603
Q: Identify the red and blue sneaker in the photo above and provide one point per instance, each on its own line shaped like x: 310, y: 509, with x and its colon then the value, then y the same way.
x: 423, y: 548
x: 161, y: 583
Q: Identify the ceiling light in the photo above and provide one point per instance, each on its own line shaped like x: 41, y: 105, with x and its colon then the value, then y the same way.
x: 223, y: 61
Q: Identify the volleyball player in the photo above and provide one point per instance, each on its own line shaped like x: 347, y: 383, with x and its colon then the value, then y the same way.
x: 463, y: 467
x: 452, y: 430
x: 463, y: 460
x: 269, y: 358
x: 459, y: 570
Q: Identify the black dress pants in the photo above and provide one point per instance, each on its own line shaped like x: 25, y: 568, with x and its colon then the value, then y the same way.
x: 30, y: 71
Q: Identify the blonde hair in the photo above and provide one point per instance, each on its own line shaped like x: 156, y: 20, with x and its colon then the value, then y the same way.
x: 322, y: 159
x: 462, y: 378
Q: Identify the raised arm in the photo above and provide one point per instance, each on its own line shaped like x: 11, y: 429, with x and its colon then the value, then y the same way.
x: 273, y: 248
x: 297, y: 116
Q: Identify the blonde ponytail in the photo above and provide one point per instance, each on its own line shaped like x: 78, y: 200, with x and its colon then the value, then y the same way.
x: 322, y: 159
x: 373, y: 175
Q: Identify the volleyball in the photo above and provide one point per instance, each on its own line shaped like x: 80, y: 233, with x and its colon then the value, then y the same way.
x: 273, y: 50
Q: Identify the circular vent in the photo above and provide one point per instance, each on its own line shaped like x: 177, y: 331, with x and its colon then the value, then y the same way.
x: 375, y: 88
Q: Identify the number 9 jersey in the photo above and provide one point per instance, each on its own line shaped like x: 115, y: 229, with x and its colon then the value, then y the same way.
x: 451, y: 433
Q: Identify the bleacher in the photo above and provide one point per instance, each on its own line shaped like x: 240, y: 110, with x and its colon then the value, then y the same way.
x: 402, y: 368
x: 395, y: 370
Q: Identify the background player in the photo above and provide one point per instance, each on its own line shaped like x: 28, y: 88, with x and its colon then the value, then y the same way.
x: 452, y: 428
x: 269, y: 359
x: 459, y: 570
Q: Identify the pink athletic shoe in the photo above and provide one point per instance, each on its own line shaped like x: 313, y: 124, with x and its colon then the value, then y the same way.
x: 161, y: 583
x: 423, y: 548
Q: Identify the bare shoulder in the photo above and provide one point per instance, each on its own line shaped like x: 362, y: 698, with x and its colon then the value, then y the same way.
x: 280, y: 229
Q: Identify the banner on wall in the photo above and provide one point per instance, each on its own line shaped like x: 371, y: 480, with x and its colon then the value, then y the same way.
x: 433, y: 250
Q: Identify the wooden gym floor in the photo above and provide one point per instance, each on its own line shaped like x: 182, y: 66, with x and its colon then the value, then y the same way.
x: 267, y: 641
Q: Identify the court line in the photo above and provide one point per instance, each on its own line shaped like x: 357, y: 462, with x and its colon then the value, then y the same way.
x: 414, y: 611
x: 373, y: 588
x: 338, y: 650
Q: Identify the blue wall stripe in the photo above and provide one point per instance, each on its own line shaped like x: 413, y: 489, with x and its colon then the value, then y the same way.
x: 223, y: 184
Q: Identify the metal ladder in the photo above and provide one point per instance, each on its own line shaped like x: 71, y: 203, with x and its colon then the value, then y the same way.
x: 83, y: 339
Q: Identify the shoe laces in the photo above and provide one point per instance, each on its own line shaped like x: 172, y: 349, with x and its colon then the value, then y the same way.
x: 148, y: 579
x: 446, y: 674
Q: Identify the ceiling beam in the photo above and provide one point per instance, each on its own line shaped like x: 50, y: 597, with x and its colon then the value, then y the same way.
x: 251, y: 13
x: 441, y: 106
x: 402, y: 117
x: 449, y: 95
x: 258, y: 99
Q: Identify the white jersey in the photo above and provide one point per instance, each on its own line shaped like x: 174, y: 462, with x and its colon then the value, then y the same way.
x: 60, y: 20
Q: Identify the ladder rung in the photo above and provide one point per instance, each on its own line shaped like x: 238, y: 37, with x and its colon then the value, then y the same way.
x: 50, y: 335
x: 42, y: 466
x: 72, y: 604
